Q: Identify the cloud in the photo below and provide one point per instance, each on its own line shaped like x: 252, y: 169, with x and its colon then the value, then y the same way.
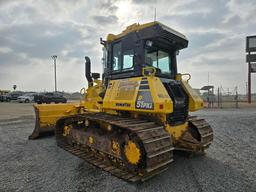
x: 108, y: 6
x: 105, y: 20
x: 144, y: 1
x: 31, y: 31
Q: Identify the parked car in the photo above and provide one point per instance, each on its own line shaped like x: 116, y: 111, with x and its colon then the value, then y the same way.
x: 13, y: 95
x: 49, y: 98
x: 27, y: 98
x: 4, y: 98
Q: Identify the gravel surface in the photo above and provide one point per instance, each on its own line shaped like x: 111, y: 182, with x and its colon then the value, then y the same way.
x: 39, y: 165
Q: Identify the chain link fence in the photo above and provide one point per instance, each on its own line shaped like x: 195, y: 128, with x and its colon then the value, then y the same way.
x: 226, y: 98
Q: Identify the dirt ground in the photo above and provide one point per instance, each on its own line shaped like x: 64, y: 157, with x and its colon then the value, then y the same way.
x: 39, y: 165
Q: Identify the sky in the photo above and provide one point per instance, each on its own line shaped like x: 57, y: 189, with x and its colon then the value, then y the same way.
x: 33, y: 30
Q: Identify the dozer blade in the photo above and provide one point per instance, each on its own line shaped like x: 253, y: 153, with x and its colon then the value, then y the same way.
x: 47, y: 116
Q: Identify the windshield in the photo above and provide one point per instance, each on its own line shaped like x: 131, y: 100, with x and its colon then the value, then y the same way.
x: 158, y: 59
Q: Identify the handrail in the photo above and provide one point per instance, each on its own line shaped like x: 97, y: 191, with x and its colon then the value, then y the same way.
x: 151, y: 73
x: 186, y: 74
x: 82, y: 92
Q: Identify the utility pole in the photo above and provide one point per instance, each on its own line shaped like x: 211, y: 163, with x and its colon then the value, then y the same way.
x: 54, y: 57
x: 208, y: 80
x: 155, y: 15
x: 246, y: 89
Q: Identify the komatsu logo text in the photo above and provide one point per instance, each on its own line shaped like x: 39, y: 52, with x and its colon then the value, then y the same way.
x: 123, y: 104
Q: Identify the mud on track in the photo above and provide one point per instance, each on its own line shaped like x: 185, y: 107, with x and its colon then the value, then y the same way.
x: 39, y: 165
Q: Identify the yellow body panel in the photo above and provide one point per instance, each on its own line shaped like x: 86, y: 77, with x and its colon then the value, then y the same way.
x: 195, y: 101
x: 176, y: 131
x: 92, y: 100
x: 141, y: 94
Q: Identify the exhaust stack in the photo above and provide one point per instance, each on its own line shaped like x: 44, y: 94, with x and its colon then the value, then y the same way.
x: 88, y: 71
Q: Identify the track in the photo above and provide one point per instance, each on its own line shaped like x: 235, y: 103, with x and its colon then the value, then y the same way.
x: 198, y: 138
x: 205, y: 132
x: 155, y: 144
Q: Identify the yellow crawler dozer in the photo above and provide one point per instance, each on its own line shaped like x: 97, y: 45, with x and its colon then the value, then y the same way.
x: 130, y: 122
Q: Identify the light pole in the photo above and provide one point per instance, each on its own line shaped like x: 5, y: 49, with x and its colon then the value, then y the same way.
x: 54, y: 57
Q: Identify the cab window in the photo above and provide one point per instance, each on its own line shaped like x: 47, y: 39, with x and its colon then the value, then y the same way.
x: 123, y: 58
x: 116, y: 64
x: 128, y: 59
x: 159, y: 59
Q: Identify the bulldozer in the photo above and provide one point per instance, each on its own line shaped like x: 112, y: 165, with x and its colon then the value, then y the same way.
x: 131, y: 120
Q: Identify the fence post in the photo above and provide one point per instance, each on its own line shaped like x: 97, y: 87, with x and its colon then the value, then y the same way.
x: 236, y: 98
x: 218, y: 97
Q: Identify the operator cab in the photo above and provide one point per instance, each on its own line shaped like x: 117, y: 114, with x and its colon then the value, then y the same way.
x: 139, y: 46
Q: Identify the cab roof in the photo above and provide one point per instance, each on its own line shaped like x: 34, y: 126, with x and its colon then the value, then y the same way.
x: 136, y: 27
x: 152, y: 30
